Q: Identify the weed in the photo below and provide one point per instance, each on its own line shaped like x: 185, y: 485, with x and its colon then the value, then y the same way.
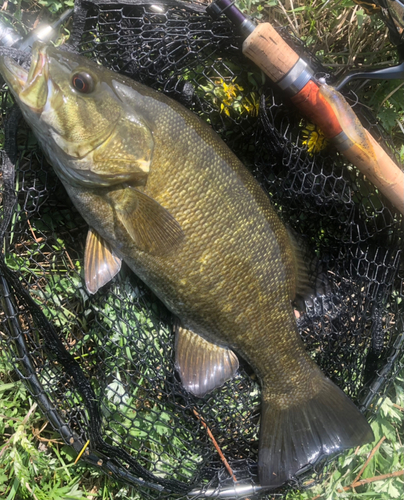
x: 31, y: 465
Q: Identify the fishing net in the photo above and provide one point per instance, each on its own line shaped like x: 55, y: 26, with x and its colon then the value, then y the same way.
x: 101, y: 366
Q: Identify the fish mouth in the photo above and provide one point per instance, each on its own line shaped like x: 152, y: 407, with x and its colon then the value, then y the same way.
x: 29, y: 87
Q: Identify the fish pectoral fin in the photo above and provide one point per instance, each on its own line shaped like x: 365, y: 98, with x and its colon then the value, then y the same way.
x: 202, y: 366
x: 152, y: 228
x: 101, y: 263
x: 293, y: 437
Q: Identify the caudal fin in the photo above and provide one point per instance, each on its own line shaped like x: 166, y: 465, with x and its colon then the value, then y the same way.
x: 293, y: 438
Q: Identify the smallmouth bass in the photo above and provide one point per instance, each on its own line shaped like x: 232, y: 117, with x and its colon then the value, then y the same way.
x: 161, y: 191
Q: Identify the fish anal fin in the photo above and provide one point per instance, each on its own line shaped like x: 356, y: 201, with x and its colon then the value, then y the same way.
x: 101, y: 263
x: 202, y: 366
x: 294, y: 437
x: 151, y: 227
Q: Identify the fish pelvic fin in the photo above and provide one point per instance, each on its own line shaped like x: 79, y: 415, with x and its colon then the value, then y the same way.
x: 294, y: 437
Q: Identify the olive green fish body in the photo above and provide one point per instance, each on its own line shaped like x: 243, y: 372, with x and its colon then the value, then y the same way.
x: 233, y: 277
x: 161, y: 191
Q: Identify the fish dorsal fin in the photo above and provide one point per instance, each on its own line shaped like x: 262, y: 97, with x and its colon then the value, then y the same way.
x: 152, y: 228
x: 202, y: 366
x: 303, y: 287
x: 101, y: 263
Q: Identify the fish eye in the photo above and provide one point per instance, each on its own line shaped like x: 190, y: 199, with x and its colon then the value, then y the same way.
x: 83, y: 82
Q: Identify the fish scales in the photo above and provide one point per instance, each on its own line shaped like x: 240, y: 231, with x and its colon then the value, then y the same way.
x: 162, y: 192
x: 203, y: 180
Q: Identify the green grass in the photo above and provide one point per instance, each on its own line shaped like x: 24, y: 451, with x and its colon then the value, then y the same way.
x: 35, y: 464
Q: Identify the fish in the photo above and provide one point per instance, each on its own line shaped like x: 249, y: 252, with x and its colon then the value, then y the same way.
x: 162, y: 192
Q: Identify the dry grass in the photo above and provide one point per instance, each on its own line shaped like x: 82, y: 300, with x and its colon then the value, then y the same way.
x: 343, y: 37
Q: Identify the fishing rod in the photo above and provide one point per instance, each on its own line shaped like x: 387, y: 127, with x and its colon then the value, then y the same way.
x: 319, y: 102
x: 44, y: 33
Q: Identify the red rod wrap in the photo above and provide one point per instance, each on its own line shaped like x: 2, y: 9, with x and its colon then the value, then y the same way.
x: 317, y: 109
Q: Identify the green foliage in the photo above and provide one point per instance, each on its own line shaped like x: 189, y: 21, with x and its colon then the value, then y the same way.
x: 255, y: 8
x: 55, y: 6
x: 29, y: 469
x: 387, y: 99
x: 130, y: 335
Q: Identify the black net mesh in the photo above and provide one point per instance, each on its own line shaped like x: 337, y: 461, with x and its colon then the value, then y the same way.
x: 101, y: 367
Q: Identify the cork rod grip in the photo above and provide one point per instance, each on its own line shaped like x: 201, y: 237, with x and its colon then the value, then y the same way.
x: 328, y: 110
x: 270, y: 52
x: 382, y: 172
